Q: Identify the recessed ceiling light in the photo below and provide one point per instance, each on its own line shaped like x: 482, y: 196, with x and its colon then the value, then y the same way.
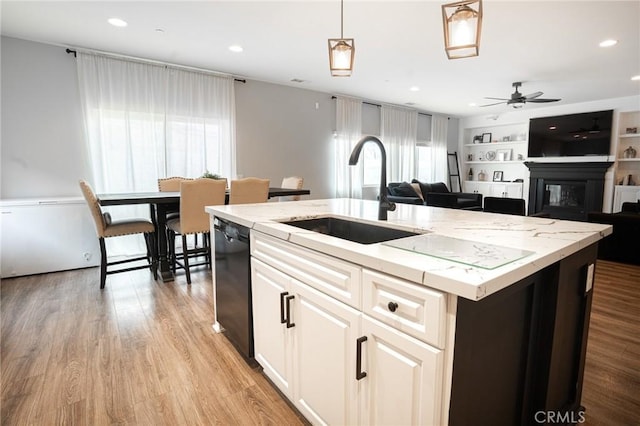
x: 236, y: 48
x: 472, y: 104
x: 608, y: 43
x: 636, y: 77
x: 117, y: 22
x: 414, y: 88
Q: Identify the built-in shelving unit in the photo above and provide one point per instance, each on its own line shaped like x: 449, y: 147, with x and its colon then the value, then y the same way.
x: 627, y: 168
x: 493, y: 158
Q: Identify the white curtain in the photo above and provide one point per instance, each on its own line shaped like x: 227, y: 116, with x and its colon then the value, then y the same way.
x: 399, y: 134
x: 439, y: 129
x: 348, y: 179
x: 144, y: 121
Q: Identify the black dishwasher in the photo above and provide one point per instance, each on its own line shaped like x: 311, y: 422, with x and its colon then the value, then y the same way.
x: 233, y: 285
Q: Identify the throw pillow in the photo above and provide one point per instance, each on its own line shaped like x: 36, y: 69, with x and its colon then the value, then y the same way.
x: 416, y: 187
x: 405, y: 190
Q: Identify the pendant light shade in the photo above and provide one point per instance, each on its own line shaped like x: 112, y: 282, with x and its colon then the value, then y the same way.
x: 462, y: 23
x: 341, y: 54
x: 341, y: 51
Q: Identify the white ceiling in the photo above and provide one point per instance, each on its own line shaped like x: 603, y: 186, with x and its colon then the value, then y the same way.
x: 551, y: 46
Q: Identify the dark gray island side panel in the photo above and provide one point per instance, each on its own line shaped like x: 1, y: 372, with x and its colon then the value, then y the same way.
x: 522, y: 350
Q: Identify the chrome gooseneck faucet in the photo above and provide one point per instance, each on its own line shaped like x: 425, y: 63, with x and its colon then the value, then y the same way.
x: 385, y: 205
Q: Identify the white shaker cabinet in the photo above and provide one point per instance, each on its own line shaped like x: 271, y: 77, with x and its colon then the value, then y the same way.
x: 272, y: 339
x: 305, y: 341
x: 325, y: 389
x: 335, y: 363
x: 404, y: 378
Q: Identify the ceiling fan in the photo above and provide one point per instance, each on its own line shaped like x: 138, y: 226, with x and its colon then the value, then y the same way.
x: 518, y: 100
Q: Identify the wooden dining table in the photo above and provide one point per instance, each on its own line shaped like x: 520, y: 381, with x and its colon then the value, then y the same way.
x: 162, y: 202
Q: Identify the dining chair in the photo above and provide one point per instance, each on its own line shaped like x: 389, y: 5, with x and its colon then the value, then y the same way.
x: 107, y: 228
x: 515, y: 206
x: 171, y: 184
x: 194, y: 196
x: 291, y: 182
x: 249, y: 190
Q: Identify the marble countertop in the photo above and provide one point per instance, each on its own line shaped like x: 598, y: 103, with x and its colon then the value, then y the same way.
x: 541, y: 241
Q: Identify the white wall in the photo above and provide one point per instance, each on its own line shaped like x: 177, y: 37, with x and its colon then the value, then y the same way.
x: 285, y: 131
x: 279, y: 130
x: 43, y: 152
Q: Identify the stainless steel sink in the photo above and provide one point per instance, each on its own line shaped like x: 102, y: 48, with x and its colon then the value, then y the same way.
x: 357, y: 232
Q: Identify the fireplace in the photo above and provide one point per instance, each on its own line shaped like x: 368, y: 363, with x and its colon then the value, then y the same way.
x: 566, y: 190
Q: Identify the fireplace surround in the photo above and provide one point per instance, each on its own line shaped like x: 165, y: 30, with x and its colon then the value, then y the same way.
x: 566, y: 190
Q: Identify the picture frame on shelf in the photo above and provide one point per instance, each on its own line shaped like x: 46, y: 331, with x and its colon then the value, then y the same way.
x: 486, y: 137
x: 503, y: 154
x: 498, y: 175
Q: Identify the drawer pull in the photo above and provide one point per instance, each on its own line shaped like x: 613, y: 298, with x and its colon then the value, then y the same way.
x: 282, y: 317
x: 359, y: 373
x: 288, y: 302
x: 392, y: 306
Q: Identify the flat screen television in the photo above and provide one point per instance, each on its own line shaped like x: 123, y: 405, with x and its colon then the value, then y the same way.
x: 573, y: 135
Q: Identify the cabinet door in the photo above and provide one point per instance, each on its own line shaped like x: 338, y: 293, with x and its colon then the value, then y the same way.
x: 272, y: 339
x: 326, y: 330
x: 471, y: 187
x: 514, y: 190
x: 404, y: 378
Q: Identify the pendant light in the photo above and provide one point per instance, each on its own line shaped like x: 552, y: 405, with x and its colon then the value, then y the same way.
x: 341, y: 51
x: 462, y: 24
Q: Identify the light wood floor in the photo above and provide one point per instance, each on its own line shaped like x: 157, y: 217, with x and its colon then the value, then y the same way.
x: 143, y: 352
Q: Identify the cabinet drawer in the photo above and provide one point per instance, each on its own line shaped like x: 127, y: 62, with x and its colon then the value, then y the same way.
x: 334, y: 277
x: 409, y: 307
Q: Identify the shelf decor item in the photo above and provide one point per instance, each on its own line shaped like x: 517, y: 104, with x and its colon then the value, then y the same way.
x: 504, y: 154
x: 497, y: 176
x: 632, y: 130
x: 470, y: 177
x: 491, y: 155
x: 482, y: 175
x: 629, y: 153
x: 486, y: 137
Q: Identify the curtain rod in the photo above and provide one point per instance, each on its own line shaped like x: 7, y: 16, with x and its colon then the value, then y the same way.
x: 380, y: 106
x: 118, y: 56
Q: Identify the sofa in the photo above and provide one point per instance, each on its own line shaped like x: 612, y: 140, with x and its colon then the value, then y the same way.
x: 432, y: 194
x: 623, y: 244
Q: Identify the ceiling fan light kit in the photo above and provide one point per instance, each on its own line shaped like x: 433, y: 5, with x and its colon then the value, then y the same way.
x: 341, y: 51
x: 462, y: 22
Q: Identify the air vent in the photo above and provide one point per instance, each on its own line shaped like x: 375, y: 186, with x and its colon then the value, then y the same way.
x: 297, y: 80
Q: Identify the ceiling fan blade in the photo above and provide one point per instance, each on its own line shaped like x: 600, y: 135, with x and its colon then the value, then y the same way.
x: 542, y: 100
x: 497, y: 99
x: 533, y: 95
x: 497, y: 103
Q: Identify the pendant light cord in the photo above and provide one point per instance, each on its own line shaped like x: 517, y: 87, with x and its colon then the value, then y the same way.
x: 341, y: 18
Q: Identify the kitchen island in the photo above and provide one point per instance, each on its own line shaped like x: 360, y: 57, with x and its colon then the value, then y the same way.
x: 478, y: 319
